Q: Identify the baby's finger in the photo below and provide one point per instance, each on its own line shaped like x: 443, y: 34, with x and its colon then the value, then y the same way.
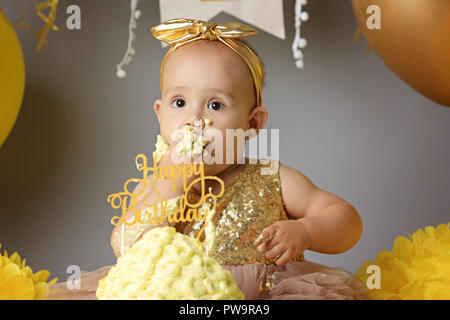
x: 266, y: 235
x: 284, y: 258
x: 267, y: 244
x: 276, y: 251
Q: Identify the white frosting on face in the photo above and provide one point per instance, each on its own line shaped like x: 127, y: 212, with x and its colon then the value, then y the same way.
x: 190, y: 142
x: 166, y: 264
x: 162, y: 148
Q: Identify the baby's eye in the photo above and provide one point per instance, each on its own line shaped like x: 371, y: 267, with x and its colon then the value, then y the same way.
x: 215, y: 105
x: 178, y: 103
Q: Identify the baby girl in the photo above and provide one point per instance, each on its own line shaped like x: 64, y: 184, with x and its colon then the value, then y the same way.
x: 213, y: 81
x: 209, y: 75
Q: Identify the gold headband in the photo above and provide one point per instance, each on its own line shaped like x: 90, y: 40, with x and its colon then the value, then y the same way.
x: 178, y: 32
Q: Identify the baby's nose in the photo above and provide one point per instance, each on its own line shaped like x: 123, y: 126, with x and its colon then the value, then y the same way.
x: 195, y: 123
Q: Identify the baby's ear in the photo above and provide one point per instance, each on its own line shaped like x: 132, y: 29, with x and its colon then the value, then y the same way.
x: 156, y: 107
x: 258, y: 118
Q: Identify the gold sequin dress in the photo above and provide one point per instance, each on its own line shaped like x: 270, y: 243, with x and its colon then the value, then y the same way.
x: 251, y: 202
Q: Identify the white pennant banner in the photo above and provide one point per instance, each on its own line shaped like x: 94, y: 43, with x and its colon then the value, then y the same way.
x: 265, y: 15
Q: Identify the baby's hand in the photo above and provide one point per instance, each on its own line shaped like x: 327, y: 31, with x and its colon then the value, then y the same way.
x: 283, y: 239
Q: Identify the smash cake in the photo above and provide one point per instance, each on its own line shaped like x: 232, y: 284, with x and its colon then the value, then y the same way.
x: 165, y: 264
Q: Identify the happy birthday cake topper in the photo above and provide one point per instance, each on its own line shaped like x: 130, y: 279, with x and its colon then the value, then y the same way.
x: 186, y: 211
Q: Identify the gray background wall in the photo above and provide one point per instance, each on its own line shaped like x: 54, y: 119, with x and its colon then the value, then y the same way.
x: 345, y: 121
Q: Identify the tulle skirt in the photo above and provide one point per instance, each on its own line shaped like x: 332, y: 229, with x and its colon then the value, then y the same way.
x: 298, y: 280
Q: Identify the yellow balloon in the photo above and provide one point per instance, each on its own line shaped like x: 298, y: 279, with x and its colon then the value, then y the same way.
x: 414, y: 42
x: 12, y: 77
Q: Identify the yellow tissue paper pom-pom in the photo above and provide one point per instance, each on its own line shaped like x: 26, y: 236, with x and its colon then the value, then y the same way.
x: 167, y: 265
x: 416, y: 269
x: 17, y: 281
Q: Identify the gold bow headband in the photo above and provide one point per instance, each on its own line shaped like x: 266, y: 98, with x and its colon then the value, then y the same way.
x: 178, y: 32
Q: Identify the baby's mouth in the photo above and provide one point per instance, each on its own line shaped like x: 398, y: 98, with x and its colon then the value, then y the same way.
x: 191, y: 139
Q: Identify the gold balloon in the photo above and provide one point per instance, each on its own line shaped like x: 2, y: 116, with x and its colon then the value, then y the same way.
x: 12, y: 77
x: 414, y: 42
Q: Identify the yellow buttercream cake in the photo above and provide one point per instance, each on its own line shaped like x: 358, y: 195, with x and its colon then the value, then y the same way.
x: 165, y: 264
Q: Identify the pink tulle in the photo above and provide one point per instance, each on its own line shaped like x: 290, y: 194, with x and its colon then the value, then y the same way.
x: 303, y: 280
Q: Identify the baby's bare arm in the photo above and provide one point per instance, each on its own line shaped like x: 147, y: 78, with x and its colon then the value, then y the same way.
x: 333, y: 224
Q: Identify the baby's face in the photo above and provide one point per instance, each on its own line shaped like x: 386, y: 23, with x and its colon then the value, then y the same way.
x: 207, y: 80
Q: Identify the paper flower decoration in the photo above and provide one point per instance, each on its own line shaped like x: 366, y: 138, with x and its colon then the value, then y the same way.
x: 17, y: 281
x: 417, y: 269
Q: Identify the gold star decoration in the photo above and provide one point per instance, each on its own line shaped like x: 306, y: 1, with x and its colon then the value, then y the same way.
x: 49, y: 19
x: 41, y: 34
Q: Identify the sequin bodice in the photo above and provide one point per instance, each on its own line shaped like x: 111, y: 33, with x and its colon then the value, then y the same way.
x: 251, y: 202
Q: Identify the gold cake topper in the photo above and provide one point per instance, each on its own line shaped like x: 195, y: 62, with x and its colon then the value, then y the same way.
x: 128, y: 200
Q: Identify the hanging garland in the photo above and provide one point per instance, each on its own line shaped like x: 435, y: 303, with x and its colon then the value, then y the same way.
x: 135, y: 15
x: 299, y: 42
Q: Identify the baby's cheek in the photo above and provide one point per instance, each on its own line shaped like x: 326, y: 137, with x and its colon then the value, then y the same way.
x: 167, y: 132
x: 232, y: 146
x: 167, y: 125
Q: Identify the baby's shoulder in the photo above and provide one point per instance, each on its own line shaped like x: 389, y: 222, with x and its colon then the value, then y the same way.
x: 294, y: 181
x: 287, y: 175
x: 297, y: 191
